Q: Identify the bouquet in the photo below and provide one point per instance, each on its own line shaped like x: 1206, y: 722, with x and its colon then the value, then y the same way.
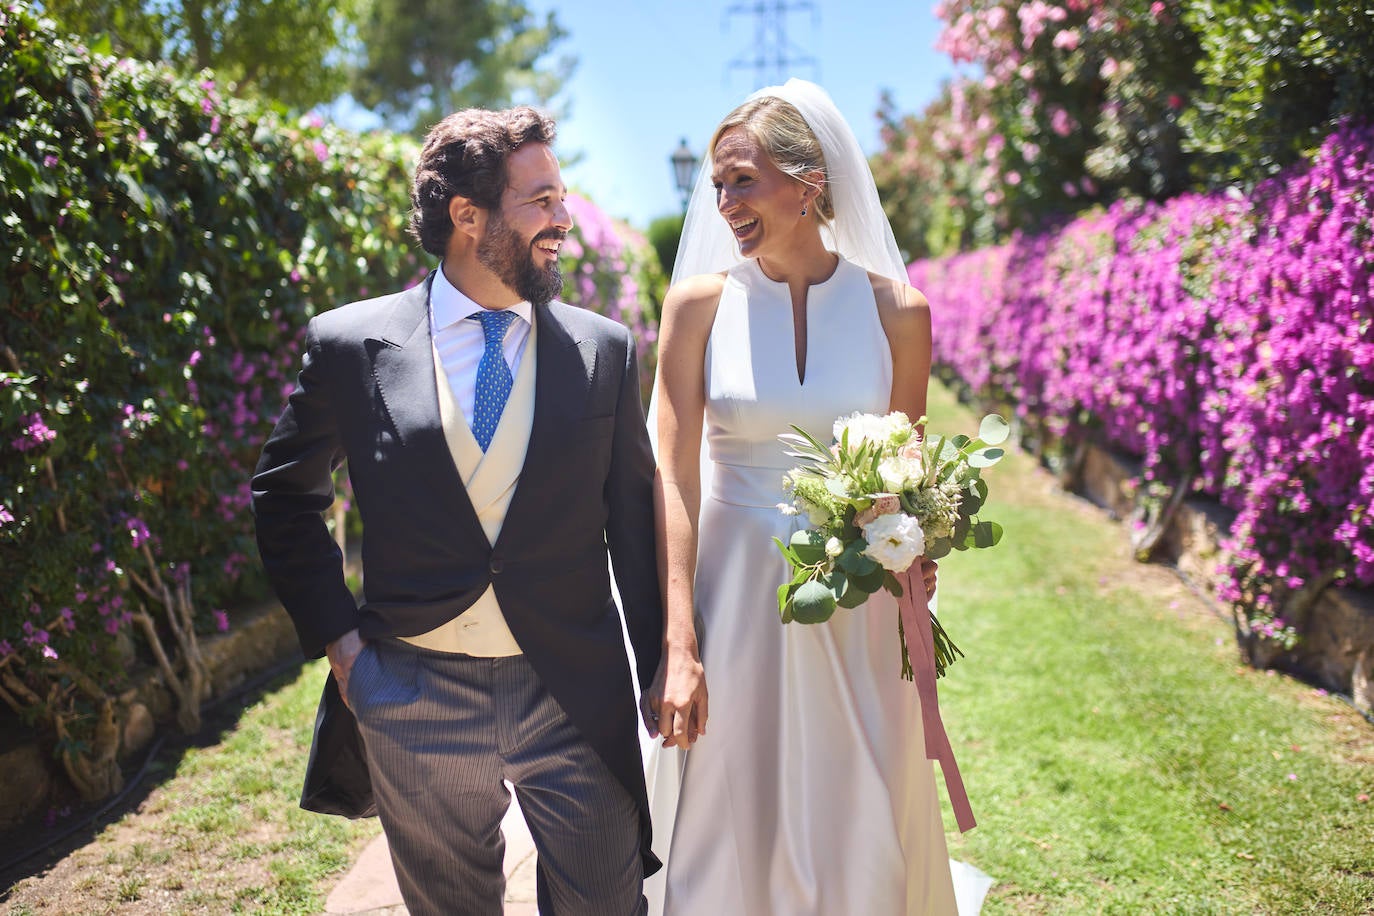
x: 877, y: 499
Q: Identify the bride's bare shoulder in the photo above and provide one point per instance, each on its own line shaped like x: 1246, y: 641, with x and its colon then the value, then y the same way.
x: 894, y: 297
x: 693, y: 300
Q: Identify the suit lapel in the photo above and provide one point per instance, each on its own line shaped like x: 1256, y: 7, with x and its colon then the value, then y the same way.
x: 563, y: 374
x: 404, y: 369
x: 403, y: 365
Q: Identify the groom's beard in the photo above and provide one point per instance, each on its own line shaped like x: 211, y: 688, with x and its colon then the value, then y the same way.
x: 505, y: 254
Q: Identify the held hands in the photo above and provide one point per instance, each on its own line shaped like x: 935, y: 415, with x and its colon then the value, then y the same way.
x: 928, y: 569
x: 342, y: 653
x: 675, y: 705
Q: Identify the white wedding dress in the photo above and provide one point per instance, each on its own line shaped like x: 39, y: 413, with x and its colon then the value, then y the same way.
x: 810, y: 792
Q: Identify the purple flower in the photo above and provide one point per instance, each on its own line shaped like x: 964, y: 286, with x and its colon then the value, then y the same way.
x: 36, y: 434
x: 138, y: 531
x: 5, y: 516
x: 1223, y: 341
x: 221, y: 621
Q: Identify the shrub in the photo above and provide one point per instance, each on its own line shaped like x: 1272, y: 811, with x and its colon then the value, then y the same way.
x: 1226, y: 341
x: 1072, y: 103
x: 610, y: 268
x: 165, y: 246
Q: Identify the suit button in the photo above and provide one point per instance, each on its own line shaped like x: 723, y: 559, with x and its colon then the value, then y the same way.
x: 495, y: 566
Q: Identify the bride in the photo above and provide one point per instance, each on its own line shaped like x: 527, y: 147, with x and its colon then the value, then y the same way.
x: 812, y: 793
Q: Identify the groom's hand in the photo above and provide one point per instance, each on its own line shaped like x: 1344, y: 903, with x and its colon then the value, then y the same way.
x: 342, y: 653
x: 676, y: 706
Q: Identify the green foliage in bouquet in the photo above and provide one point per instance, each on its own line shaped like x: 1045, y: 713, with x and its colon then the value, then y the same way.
x: 876, y: 501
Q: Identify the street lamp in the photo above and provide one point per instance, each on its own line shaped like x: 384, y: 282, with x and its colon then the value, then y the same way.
x: 684, y: 170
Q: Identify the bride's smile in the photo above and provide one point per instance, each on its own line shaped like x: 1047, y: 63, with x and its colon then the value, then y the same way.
x: 761, y: 203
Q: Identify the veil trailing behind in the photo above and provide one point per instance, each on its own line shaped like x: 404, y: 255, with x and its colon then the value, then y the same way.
x: 859, y: 233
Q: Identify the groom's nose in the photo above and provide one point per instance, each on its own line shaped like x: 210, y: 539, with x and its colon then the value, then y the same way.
x: 562, y: 216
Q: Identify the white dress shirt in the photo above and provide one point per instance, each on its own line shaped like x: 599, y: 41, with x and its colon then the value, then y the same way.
x: 460, y: 340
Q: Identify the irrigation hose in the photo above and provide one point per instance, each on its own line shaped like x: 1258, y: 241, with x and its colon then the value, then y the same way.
x: 252, y: 684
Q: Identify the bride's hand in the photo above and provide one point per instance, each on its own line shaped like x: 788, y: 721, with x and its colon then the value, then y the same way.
x: 675, y: 707
x: 928, y: 569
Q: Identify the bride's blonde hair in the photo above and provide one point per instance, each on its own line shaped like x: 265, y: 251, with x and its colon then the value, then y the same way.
x: 788, y: 140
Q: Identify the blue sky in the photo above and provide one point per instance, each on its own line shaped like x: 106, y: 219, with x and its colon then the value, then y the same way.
x: 651, y: 72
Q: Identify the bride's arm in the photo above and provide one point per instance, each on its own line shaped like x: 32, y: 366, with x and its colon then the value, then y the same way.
x: 680, y: 689
x: 905, y: 315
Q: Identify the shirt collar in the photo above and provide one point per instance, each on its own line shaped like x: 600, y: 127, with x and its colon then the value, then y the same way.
x: 448, y: 305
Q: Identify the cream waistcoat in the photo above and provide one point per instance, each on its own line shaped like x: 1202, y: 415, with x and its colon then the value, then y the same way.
x: 490, y: 480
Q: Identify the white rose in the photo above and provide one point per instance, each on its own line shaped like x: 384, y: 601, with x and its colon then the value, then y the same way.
x: 895, y: 541
x: 899, y: 473
x: 833, y: 547
x: 871, y: 427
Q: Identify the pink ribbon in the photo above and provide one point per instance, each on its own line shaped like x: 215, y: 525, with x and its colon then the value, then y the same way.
x: 920, y: 646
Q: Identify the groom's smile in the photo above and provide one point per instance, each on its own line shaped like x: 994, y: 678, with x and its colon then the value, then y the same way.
x: 524, y: 235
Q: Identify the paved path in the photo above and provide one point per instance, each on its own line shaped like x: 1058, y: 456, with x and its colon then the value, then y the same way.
x: 369, y: 888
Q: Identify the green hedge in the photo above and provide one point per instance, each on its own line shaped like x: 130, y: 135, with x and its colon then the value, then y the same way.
x: 164, y: 245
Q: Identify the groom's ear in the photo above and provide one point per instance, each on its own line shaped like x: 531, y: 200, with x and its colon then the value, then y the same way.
x: 467, y: 217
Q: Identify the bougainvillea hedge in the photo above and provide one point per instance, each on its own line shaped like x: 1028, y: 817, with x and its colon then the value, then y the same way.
x: 164, y: 244
x: 1228, y: 341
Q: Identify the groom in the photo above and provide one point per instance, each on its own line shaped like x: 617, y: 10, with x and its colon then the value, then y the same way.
x: 496, y: 446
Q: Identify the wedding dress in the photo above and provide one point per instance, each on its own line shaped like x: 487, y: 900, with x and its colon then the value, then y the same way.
x: 810, y: 792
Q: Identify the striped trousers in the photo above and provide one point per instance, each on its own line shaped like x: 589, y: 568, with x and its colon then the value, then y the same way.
x: 444, y: 734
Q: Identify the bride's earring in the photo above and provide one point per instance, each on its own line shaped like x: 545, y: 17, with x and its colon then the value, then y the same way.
x: 803, y: 211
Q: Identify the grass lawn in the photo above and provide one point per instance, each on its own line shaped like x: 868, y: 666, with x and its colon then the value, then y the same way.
x: 1119, y: 757
x: 220, y: 831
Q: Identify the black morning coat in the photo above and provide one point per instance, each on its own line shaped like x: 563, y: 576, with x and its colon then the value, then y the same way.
x: 367, y: 394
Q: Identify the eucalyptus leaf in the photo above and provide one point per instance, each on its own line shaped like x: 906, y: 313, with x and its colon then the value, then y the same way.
x: 856, y: 563
x: 853, y: 597
x: 839, y: 584
x: 784, y: 593
x: 938, y: 548
x: 986, y: 534
x: 809, y: 546
x: 868, y: 582
x: 813, y: 603
x: 891, y: 584
x: 985, y: 457
x: 994, y: 430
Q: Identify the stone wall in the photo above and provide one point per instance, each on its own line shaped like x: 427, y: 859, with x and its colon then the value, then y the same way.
x: 261, y: 639
x: 1336, y: 651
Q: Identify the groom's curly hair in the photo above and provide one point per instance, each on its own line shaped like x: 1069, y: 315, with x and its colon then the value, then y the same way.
x: 465, y: 155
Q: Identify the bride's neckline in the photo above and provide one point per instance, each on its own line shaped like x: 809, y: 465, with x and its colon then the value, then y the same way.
x: 758, y: 269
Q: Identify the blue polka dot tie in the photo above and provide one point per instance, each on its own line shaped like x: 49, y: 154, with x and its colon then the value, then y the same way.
x: 493, y: 376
